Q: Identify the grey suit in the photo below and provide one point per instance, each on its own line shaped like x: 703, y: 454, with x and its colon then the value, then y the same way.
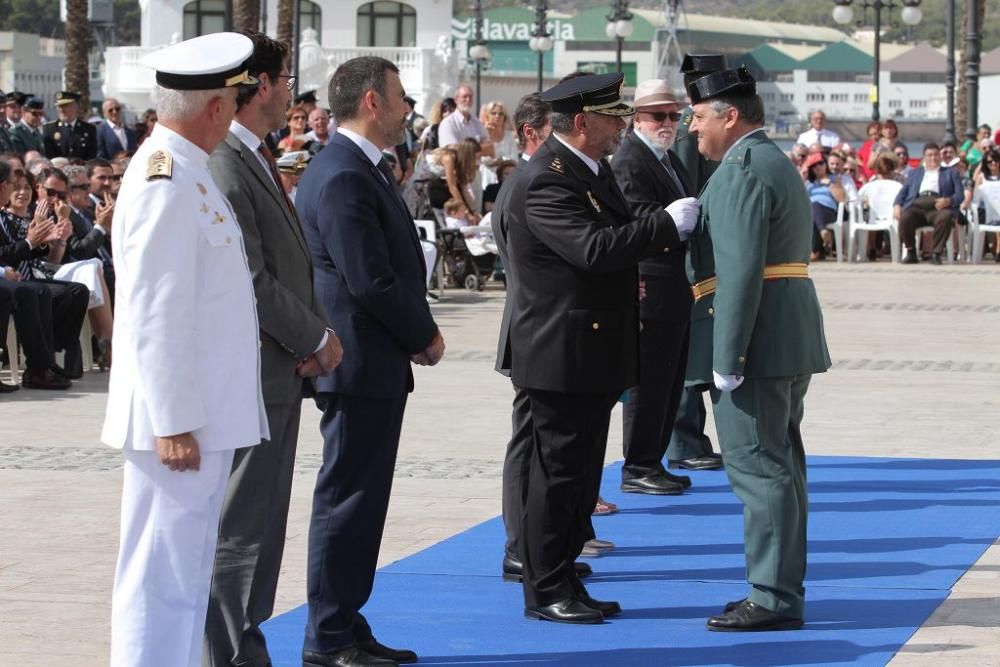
x: 292, y: 323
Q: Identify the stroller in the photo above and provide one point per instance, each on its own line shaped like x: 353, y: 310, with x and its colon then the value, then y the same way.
x: 469, y: 254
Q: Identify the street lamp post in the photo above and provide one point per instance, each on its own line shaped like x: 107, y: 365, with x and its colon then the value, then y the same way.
x: 479, y: 52
x: 972, y: 44
x: 619, y: 27
x: 949, y: 82
x: 541, y: 40
x: 911, y: 15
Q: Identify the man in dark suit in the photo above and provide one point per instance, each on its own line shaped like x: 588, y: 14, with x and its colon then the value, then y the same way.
x: 689, y: 447
x: 370, y: 276
x: 69, y: 136
x: 531, y: 123
x: 574, y: 248
x: 295, y: 344
x: 931, y: 196
x: 651, y: 177
x: 113, y: 135
x: 91, y: 235
x: 27, y: 134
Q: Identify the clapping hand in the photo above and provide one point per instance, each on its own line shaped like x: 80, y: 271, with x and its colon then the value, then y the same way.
x: 105, y: 212
x: 64, y: 229
x: 41, y: 231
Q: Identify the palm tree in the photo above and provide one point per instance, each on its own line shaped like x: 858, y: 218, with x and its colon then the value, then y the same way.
x: 246, y: 15
x: 286, y: 16
x: 78, y: 52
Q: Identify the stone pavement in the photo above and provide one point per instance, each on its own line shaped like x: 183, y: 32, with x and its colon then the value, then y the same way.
x: 915, y: 375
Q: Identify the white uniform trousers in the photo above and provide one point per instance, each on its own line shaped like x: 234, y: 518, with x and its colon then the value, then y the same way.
x: 169, y: 530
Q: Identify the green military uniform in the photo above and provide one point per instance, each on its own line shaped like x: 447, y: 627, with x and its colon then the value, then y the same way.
x: 6, y: 142
x: 25, y: 138
x: 755, y: 228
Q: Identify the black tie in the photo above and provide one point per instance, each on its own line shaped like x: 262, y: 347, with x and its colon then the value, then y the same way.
x: 665, y: 161
x: 390, y: 178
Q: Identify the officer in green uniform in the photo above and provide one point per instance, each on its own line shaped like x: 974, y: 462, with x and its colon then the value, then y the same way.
x: 689, y: 448
x: 757, y: 338
x: 27, y: 134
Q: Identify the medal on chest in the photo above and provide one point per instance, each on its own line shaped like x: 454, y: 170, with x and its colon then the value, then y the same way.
x: 593, y: 201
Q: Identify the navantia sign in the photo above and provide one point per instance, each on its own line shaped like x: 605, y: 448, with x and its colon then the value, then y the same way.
x: 496, y: 31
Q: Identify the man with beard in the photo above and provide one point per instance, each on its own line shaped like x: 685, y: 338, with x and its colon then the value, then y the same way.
x: 370, y: 276
x: 574, y: 247
x: 748, y: 265
x: 650, y: 178
x: 295, y: 344
x: 463, y: 124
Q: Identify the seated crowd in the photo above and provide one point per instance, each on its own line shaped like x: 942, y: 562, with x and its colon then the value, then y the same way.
x: 941, y: 190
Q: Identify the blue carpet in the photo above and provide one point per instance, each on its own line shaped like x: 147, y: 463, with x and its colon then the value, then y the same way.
x: 888, y: 539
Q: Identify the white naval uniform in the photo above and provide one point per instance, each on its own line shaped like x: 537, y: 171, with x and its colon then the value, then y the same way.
x: 187, y: 359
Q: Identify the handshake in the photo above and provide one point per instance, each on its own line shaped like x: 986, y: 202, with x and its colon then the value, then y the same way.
x: 685, y: 214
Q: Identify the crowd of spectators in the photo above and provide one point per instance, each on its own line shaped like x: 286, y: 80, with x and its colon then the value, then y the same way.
x: 940, y: 191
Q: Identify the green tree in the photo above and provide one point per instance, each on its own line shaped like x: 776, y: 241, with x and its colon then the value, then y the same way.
x: 78, y: 40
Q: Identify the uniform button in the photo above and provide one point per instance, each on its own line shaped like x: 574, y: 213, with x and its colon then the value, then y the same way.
x: 711, y: 311
x: 666, y: 250
x: 742, y: 360
x: 595, y: 326
x: 229, y: 240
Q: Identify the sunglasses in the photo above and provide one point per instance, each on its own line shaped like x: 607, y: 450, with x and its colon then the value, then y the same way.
x: 58, y: 194
x: 298, y: 117
x: 79, y: 186
x: 660, y: 116
x: 115, y: 109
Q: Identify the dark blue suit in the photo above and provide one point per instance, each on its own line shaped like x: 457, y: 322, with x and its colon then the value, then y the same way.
x: 369, y: 275
x: 913, y: 217
x: 108, y: 144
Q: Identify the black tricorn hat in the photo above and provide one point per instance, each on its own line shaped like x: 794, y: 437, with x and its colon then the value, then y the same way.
x: 36, y: 103
x: 599, y: 93
x: 727, y: 83
x: 697, y: 63
x: 309, y: 97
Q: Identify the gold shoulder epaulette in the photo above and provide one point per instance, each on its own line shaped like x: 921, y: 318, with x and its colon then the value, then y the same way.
x: 556, y: 166
x: 160, y: 165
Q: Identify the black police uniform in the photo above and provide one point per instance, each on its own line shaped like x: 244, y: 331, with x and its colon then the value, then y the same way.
x: 77, y: 139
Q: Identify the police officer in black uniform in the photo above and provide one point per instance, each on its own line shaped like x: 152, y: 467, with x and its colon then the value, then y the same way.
x: 574, y: 328
x: 69, y: 136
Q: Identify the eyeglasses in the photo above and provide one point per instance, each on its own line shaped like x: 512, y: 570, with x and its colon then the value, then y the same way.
x: 660, y: 116
x: 297, y: 117
x: 115, y: 109
x: 291, y: 80
x: 58, y: 194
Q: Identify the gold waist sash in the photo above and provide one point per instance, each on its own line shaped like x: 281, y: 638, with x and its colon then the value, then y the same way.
x: 703, y: 288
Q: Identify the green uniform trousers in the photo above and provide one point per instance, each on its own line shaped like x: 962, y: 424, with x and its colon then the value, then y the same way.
x: 758, y: 426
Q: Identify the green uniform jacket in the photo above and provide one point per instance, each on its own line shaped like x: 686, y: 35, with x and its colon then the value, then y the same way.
x: 25, y: 139
x: 754, y: 212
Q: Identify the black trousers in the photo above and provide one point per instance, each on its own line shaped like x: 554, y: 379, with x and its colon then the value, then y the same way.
x: 913, y: 218
x: 515, y: 468
x: 569, y: 437
x: 360, y: 441
x: 33, y: 321
x: 69, y: 308
x: 648, y: 415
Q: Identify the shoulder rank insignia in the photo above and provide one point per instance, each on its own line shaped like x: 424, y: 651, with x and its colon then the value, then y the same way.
x: 593, y: 201
x: 556, y: 166
x: 160, y: 165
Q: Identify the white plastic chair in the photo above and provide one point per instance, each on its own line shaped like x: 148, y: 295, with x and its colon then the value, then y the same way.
x: 881, y: 218
x: 847, y: 218
x: 987, y: 194
x: 13, y: 353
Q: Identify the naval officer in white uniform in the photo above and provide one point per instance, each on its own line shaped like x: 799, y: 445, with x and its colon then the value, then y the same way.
x: 185, y: 388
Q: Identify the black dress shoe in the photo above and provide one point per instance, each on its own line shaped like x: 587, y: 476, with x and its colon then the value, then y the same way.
x: 936, y: 258
x: 911, y: 258
x: 400, y: 655
x: 732, y: 605
x: 513, y: 570
x: 8, y: 388
x: 606, y: 607
x: 45, y: 379
x: 654, y: 485
x: 751, y: 617
x: 698, y: 463
x: 352, y: 656
x: 569, y: 610
x: 683, y: 480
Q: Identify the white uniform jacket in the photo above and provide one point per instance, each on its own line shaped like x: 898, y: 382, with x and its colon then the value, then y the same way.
x: 186, y: 343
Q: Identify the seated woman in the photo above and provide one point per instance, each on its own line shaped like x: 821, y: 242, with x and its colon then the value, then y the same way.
x: 52, y: 192
x: 824, y: 194
x: 443, y: 174
x: 989, y: 173
x: 48, y: 314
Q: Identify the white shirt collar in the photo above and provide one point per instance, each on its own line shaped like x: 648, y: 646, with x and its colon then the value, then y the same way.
x: 736, y: 143
x: 370, y: 150
x: 642, y: 137
x: 590, y: 162
x: 249, y: 139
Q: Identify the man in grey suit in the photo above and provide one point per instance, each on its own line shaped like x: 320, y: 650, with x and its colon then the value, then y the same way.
x: 295, y: 344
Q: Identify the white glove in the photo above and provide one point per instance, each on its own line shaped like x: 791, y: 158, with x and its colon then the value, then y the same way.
x: 685, y: 214
x: 726, y: 382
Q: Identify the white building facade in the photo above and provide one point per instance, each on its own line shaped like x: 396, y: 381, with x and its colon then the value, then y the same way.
x: 32, y: 64
x: 412, y: 34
